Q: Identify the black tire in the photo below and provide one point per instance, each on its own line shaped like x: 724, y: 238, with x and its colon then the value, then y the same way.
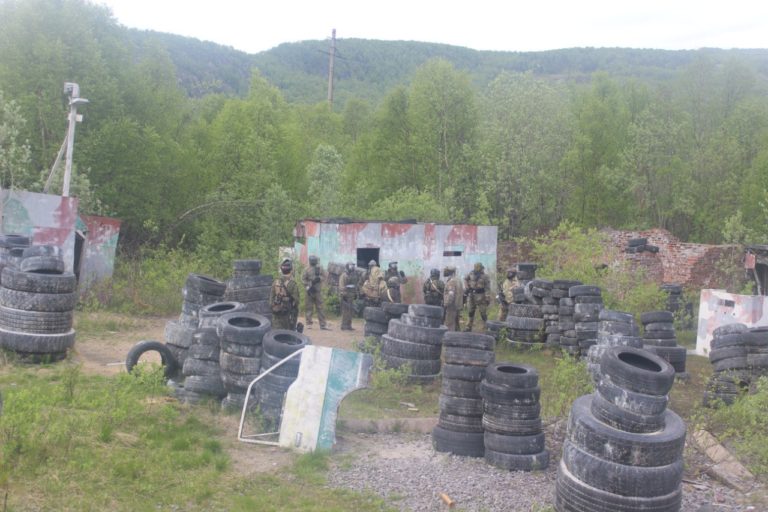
x: 205, y: 284
x: 757, y: 361
x: 732, y: 363
x: 525, y: 310
x: 170, y: 365
x: 460, y: 388
x: 460, y: 406
x: 249, y: 281
x: 242, y: 327
x: 468, y: 356
x: 179, y: 335
x: 458, y: 423
x: 206, y: 337
x: 631, y: 401
x: 638, y: 370
x: 38, y: 322
x: 375, y: 328
x: 53, y: 251
x: 518, y: 462
x: 34, y: 301
x: 659, y: 327
x: 251, y: 266
x: 375, y: 315
x: 420, y: 321
x: 198, y: 298
x: 408, y: 350
x: 38, y: 282
x: 672, y: 355
x: 518, y: 445
x: 642, y: 481
x: 415, y: 333
x: 234, y: 382
x: 249, y: 294
x: 611, y: 444
x: 653, y: 317
x: 616, y: 316
x: 237, y: 349
x: 659, y: 342
x: 512, y: 375
x: 394, y: 309
x: 282, y: 342
x: 468, y: 444
x: 636, y: 242
x: 728, y: 340
x: 36, y: 343
x: 418, y: 367
x: 509, y: 396
x: 620, y: 328
x: 290, y: 368
x: 462, y: 372
x: 200, y: 367
x: 205, y: 385
x: 204, y: 352
x: 515, y: 412
x: 239, y: 365
x: 525, y: 323
x: 425, y: 310
x: 623, y: 419
x: 469, y: 340
x: 734, y: 328
x: 511, y: 426
x: 574, y: 495
x: 584, y: 290
x: 48, y: 264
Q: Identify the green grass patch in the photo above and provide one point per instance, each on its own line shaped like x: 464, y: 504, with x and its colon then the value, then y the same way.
x: 99, y: 323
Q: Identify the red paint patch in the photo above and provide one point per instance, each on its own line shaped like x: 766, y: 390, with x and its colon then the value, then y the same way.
x: 311, y: 228
x: 463, y: 234
x: 101, y: 230
x: 394, y: 230
x: 429, y: 241
x: 65, y: 215
x: 348, y: 234
x: 51, y: 236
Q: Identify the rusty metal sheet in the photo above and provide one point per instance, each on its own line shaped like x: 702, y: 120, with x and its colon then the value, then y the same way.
x: 98, y: 256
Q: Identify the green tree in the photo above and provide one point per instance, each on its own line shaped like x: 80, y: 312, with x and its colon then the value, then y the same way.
x: 324, y: 173
x: 15, y: 159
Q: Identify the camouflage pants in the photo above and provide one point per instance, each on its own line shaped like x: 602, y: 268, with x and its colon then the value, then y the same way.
x: 284, y: 320
x: 477, y: 302
x: 452, y: 318
x: 314, y: 301
x: 503, y: 311
x: 346, y: 313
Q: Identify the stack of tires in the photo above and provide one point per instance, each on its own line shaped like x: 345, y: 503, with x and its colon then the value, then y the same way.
x: 569, y: 341
x: 674, y: 297
x: 615, y: 329
x: 394, y: 310
x: 728, y: 354
x: 249, y: 287
x: 241, y: 335
x: 757, y: 352
x: 551, y: 310
x: 587, y: 303
x: 12, y: 250
x: 411, y: 341
x: 278, y: 344
x: 623, y: 448
x: 525, y: 325
x: 459, y: 429
x: 198, y: 292
x: 513, y: 437
x: 638, y: 245
x: 525, y: 272
x: 659, y: 337
x: 37, y: 303
x: 376, y: 321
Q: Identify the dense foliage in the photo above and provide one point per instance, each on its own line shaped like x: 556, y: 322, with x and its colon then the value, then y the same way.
x: 195, y: 149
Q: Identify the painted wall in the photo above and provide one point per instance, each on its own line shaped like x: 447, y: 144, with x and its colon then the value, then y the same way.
x: 718, y: 307
x: 416, y: 247
x: 98, y: 257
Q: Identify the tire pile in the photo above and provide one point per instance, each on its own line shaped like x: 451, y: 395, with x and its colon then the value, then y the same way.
x: 659, y: 337
x: 241, y: 335
x: 278, y: 344
x: 375, y: 323
x: 459, y: 428
x: 587, y: 303
x: 513, y: 437
x: 638, y: 245
x: 623, y: 449
x: 415, y: 340
x: 12, y: 249
x: 250, y: 287
x: 37, y: 303
x: 525, y: 325
x: 526, y: 272
x: 739, y: 355
x: 198, y: 291
x: 615, y: 329
x: 674, y: 297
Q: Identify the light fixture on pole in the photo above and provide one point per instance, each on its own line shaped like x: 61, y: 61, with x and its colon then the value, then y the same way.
x: 73, y: 91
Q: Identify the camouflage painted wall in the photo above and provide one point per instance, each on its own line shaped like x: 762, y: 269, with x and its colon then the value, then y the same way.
x: 718, y: 307
x: 98, y: 257
x: 416, y: 247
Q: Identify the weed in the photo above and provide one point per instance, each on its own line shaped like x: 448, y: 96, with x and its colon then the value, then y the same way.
x: 568, y: 381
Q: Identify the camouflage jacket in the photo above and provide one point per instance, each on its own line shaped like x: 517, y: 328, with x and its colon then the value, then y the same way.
x: 348, y: 284
x: 434, y: 290
x: 477, y: 283
x: 284, y: 295
x: 506, y: 290
x: 313, y: 278
x: 454, y: 292
x: 395, y: 273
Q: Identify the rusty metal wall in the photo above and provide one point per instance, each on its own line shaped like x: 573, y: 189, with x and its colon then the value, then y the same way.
x: 416, y: 247
x: 98, y: 257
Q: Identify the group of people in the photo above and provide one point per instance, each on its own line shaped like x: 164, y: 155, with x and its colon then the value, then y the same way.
x: 375, y: 287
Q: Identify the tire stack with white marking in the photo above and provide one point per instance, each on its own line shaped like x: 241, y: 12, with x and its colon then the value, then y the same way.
x: 241, y: 335
x: 659, y: 337
x: 623, y: 448
x: 513, y: 436
x: 278, y: 344
x: 615, y: 329
x: 415, y: 341
x: 37, y: 303
x: 731, y: 375
x: 250, y: 287
x: 12, y: 249
x: 459, y: 429
x: 587, y: 303
x: 376, y: 323
x: 525, y: 324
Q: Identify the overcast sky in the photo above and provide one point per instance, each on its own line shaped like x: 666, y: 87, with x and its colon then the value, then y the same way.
x: 255, y: 26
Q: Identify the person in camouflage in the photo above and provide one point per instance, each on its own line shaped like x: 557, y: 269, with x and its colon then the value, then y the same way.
x: 284, y: 298
x: 452, y: 300
x: 367, y: 273
x: 477, y: 286
x: 393, y: 291
x: 348, y: 294
x: 392, y: 271
x: 506, y: 296
x: 374, y: 288
x: 434, y: 289
x: 313, y: 278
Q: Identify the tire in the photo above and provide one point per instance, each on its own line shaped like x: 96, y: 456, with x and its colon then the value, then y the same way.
x: 237, y: 349
x: 259, y: 294
x: 620, y: 328
x: 375, y: 329
x: 408, y: 350
x: 460, y: 406
x: 515, y: 412
x: 512, y: 375
x: 48, y: 264
x: 638, y: 403
x: 638, y: 370
x: 460, y: 388
x: 468, y: 356
x: 462, y: 372
x: 179, y: 335
x: 201, y: 368
x: 205, y: 285
x: 584, y: 290
x: 513, y: 462
x: 204, y: 352
x: 416, y: 334
x: 728, y: 340
x: 239, y: 365
x: 509, y: 396
x: 420, y: 321
x: 636, y: 242
x: 524, y: 323
x: 418, y: 367
x: 249, y: 281
x: 36, y: 343
x: 394, y: 309
x: 198, y: 298
x: 732, y: 363
x: 525, y: 310
x: 654, y: 317
x: 518, y: 445
x: 614, y: 445
x: 425, y: 310
x: 206, y: 337
x: 234, y: 382
x: 757, y: 361
x: 659, y: 342
x: 457, y: 423
x: 38, y: 322
x: 470, y: 340
x: 282, y: 343
x: 622, y: 479
x: 511, y: 426
x: 623, y: 419
x: 616, y: 316
x: 251, y: 266
x: 574, y: 495
x: 734, y: 328
x: 375, y: 315
x: 468, y: 444
x: 170, y: 365
x: 290, y: 368
x: 205, y: 385
x: 33, y: 301
x: 660, y: 327
x: 244, y: 328
x: 38, y: 282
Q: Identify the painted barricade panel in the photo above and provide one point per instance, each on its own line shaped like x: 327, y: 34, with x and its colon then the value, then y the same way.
x: 718, y: 307
x: 326, y: 376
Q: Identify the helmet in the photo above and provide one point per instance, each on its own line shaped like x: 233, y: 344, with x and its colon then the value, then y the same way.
x: 434, y: 273
x: 478, y: 267
x: 286, y: 266
x: 392, y: 264
x: 372, y: 263
x: 350, y: 266
x: 449, y: 270
x: 313, y: 260
x: 511, y: 273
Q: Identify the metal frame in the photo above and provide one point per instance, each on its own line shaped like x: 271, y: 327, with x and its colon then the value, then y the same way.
x: 250, y: 438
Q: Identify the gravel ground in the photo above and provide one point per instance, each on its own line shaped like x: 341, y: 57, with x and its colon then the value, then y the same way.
x: 410, y: 475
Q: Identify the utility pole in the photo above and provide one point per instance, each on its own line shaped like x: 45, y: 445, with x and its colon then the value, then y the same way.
x: 330, y: 69
x: 73, y: 90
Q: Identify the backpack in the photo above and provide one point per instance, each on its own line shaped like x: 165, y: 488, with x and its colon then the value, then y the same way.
x: 281, y: 301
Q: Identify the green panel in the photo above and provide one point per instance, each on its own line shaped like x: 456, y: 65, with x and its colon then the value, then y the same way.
x: 344, y: 376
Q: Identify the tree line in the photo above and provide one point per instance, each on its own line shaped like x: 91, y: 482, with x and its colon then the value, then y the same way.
x: 227, y: 175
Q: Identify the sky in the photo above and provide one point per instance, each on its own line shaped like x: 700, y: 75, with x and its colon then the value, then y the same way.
x: 255, y: 26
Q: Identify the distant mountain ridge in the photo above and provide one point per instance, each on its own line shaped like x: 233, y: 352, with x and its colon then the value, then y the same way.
x: 368, y: 69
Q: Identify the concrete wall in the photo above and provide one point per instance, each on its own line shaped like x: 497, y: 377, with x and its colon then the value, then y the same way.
x: 416, y: 247
x: 718, y: 307
x: 98, y: 256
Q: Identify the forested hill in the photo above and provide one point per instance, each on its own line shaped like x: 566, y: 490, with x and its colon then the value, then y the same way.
x: 369, y: 69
